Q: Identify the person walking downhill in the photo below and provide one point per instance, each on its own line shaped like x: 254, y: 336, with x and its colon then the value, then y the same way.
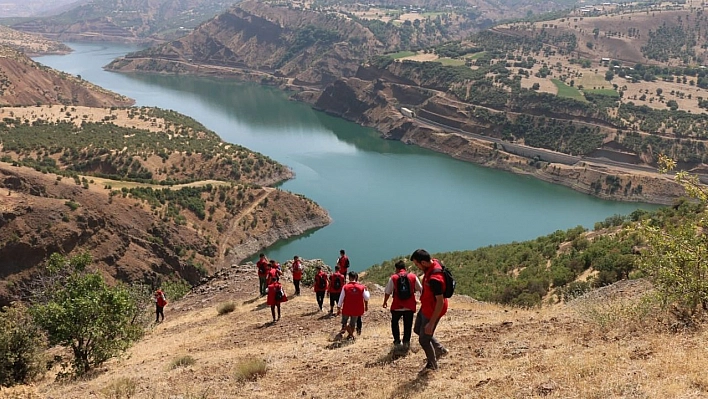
x: 160, y: 303
x: 273, y: 272
x: 262, y: 267
x: 276, y: 296
x: 343, y: 262
x: 320, y: 286
x: 353, y: 303
x: 402, y: 286
x: 336, y: 283
x: 296, y: 268
x: 433, y: 306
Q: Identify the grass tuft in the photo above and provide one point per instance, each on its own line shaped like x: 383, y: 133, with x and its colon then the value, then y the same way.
x: 226, y: 307
x: 250, y: 370
x: 121, y: 388
x: 182, y: 361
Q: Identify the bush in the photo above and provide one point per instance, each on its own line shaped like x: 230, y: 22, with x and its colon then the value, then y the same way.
x: 226, y: 307
x: 80, y: 311
x: 250, y: 370
x: 22, y: 345
x: 182, y: 361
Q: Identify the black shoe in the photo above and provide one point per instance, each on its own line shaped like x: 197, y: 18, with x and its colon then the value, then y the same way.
x: 358, y: 331
x: 396, y: 343
x: 441, y: 353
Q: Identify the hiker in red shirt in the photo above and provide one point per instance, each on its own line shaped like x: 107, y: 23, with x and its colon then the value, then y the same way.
x: 353, y: 302
x: 262, y: 267
x: 274, y: 272
x: 336, y: 283
x: 433, y: 306
x: 403, y: 305
x: 343, y: 262
x: 320, y: 286
x: 160, y: 303
x: 296, y: 268
x: 276, y: 296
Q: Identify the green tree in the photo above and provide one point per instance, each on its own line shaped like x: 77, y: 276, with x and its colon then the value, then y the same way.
x: 676, y: 255
x: 80, y: 311
x: 22, y: 345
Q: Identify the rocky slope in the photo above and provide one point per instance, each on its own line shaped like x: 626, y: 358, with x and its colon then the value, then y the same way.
x: 374, y: 97
x: 25, y: 82
x: 43, y: 213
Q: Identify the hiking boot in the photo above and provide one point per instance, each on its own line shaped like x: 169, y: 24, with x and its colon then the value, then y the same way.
x: 441, y: 353
x: 427, y: 368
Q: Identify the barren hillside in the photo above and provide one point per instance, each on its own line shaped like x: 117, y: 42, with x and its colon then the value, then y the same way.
x: 556, y: 352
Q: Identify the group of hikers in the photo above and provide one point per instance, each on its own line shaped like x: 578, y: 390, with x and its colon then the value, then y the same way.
x: 351, y: 298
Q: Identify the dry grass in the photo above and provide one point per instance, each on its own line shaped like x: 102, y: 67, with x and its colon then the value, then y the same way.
x: 561, y: 351
x: 182, y: 361
x: 225, y: 308
x: 120, y: 388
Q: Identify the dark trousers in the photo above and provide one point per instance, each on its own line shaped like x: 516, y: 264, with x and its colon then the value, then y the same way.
x: 407, y: 316
x: 320, y: 298
x: 333, y: 300
x: 272, y: 311
x: 429, y: 343
x: 159, y: 311
x: 262, y: 284
x: 297, y: 286
x: 358, y: 324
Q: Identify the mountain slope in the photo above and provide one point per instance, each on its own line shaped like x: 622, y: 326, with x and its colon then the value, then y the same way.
x: 25, y: 82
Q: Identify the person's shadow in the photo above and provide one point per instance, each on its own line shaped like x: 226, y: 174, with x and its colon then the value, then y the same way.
x: 409, y: 388
x: 396, y: 352
x: 265, y: 325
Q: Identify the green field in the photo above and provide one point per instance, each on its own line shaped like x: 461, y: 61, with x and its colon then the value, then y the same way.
x: 567, y: 91
x: 604, y: 92
x: 451, y: 61
x: 401, y: 54
x: 475, y: 55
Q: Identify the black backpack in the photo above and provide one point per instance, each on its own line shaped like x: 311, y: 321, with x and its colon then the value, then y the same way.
x: 323, y: 282
x: 336, y: 283
x: 279, y: 294
x: 403, y: 287
x: 449, y: 281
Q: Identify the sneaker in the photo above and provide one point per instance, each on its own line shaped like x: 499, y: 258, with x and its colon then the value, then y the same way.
x: 338, y: 337
x: 350, y: 338
x: 358, y: 331
x: 441, y: 353
x: 396, y: 343
x: 407, y: 345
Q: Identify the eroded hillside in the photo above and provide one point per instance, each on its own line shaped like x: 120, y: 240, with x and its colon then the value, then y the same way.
x: 25, y: 82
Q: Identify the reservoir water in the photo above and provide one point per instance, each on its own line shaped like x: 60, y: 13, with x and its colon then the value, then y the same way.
x: 386, y: 198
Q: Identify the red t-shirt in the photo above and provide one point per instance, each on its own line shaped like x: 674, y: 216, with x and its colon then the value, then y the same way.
x: 399, y: 303
x: 297, y: 270
x: 343, y: 263
x: 318, y: 285
x: 262, y: 267
x: 353, y: 299
x: 272, y: 289
x: 336, y: 276
x: 427, y: 298
x: 272, y: 274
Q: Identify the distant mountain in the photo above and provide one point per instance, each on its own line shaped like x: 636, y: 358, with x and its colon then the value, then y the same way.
x: 31, y: 44
x: 126, y: 20
x: 30, y: 8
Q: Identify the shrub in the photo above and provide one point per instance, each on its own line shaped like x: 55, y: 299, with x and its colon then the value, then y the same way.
x: 250, y: 370
x: 80, y: 311
x: 22, y: 345
x: 182, y: 361
x: 226, y: 307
